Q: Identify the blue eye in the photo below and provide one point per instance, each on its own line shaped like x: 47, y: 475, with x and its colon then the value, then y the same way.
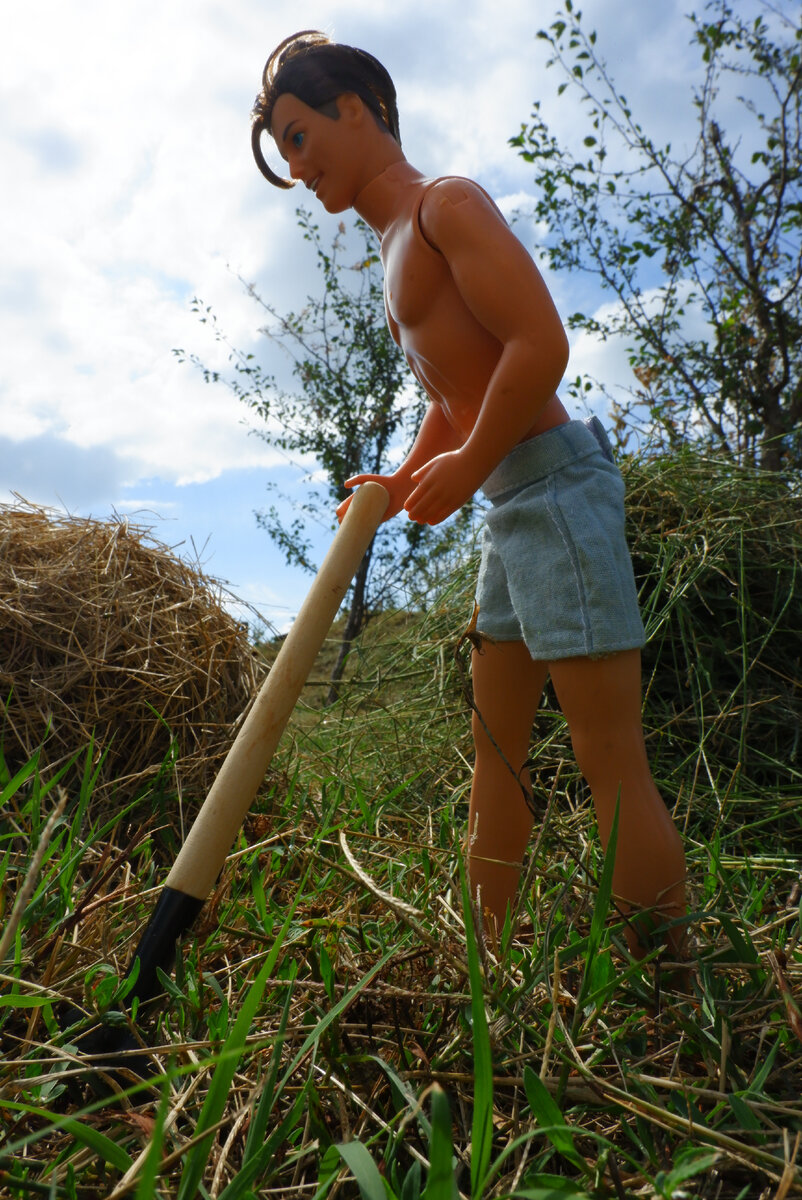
x: 297, y: 140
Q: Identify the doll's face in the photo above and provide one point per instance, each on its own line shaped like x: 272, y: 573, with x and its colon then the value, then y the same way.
x: 322, y: 151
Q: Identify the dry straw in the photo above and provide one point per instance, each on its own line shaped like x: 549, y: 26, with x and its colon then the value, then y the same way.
x: 108, y: 638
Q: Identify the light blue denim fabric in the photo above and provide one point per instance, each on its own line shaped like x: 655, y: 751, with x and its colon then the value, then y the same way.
x: 555, y: 570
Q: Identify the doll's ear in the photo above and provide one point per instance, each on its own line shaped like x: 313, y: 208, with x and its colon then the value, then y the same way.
x: 352, y: 108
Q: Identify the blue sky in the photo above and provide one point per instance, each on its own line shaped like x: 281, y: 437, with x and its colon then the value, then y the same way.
x: 129, y: 188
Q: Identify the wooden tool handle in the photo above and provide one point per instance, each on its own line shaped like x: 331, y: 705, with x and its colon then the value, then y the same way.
x: 209, y: 840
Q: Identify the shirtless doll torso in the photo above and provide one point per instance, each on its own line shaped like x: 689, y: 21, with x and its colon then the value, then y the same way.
x: 425, y: 311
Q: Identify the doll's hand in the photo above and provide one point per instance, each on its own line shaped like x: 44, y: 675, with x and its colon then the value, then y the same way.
x: 441, y: 487
x: 397, y: 489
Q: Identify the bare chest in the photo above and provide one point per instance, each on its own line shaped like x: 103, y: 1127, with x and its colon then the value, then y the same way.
x: 449, y: 352
x: 416, y: 278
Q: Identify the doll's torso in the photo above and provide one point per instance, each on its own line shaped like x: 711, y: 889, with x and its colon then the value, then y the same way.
x: 451, y: 354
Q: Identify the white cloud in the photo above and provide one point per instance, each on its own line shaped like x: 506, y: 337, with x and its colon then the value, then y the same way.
x: 129, y: 188
x: 133, y: 189
x: 608, y: 361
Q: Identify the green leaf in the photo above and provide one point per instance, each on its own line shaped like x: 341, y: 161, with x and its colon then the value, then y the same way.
x: 743, y: 1113
x: 220, y: 1086
x: 13, y: 1000
x: 103, y: 1146
x: 146, y: 1188
x: 740, y: 940
x: 550, y: 1187
x: 217, y: 1097
x: 405, y: 1093
x: 550, y: 1119
x: 757, y: 1084
x: 599, y: 918
x: 410, y: 1189
x: 16, y: 782
x: 440, y: 1184
x: 326, y: 972
x: 359, y: 1161
x: 689, y: 1163
x: 270, y: 1094
x: 258, y: 1164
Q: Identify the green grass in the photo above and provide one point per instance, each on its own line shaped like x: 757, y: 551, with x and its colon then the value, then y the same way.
x: 333, y: 1027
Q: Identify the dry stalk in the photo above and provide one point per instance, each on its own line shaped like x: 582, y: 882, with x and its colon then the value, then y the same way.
x: 31, y: 875
x: 409, y: 915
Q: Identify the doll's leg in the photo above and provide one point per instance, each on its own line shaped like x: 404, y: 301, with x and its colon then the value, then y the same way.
x: 507, y: 686
x: 601, y: 701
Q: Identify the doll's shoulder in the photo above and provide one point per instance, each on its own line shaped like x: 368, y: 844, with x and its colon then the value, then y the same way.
x: 454, y: 203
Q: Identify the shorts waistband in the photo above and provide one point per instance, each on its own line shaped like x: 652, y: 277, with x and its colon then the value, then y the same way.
x: 545, y: 453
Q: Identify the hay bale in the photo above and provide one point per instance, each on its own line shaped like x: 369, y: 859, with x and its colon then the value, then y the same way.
x: 717, y: 552
x: 108, y: 637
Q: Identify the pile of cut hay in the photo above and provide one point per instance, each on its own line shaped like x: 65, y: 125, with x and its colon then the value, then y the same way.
x: 109, y: 640
x: 717, y: 551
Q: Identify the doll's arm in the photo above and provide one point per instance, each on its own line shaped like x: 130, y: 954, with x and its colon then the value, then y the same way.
x: 435, y: 436
x: 502, y: 287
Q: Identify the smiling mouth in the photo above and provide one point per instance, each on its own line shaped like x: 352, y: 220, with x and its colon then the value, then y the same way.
x: 314, y: 183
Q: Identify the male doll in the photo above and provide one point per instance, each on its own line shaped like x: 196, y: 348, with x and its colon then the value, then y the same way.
x: 556, y: 593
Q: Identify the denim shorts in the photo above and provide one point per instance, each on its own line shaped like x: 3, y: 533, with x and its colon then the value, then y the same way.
x: 555, y: 570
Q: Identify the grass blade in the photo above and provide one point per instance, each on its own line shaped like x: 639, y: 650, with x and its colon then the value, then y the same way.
x: 267, y: 1101
x: 103, y: 1146
x: 217, y: 1096
x: 440, y: 1184
x: 404, y: 1092
x: 259, y: 1161
x: 600, y: 910
x: 93, y: 1139
x: 146, y: 1188
x: 550, y: 1119
x: 552, y: 1187
x: 334, y: 1013
x: 359, y: 1161
x: 15, y: 783
x: 482, y: 1126
x: 687, y: 1165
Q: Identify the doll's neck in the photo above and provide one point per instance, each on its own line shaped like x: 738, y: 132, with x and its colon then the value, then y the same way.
x: 379, y: 201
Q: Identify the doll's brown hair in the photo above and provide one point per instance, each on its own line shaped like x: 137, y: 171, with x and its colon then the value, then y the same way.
x: 316, y: 70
